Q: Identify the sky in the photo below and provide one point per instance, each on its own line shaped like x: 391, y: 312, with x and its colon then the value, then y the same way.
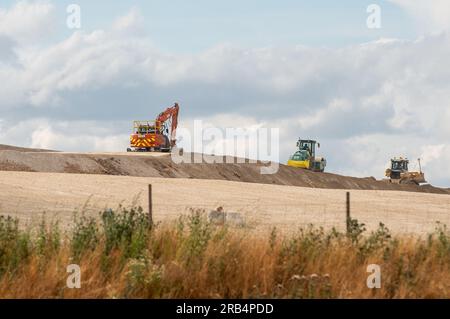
x: 182, y: 26
x: 310, y: 68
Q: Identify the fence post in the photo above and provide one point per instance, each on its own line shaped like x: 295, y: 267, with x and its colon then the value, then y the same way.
x: 150, y: 205
x: 348, y: 218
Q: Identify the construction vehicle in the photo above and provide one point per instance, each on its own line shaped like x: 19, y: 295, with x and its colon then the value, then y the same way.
x: 158, y: 135
x: 306, y: 158
x: 399, y: 173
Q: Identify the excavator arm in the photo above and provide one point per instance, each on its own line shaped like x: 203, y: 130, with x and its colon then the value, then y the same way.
x: 172, y: 114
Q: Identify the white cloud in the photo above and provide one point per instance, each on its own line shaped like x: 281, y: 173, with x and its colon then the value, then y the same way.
x: 432, y: 16
x: 49, y: 137
x: 27, y: 21
x: 431, y: 153
x: 66, y: 135
x: 132, y: 22
x: 365, y: 103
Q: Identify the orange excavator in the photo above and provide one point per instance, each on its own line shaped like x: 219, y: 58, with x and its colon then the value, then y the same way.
x: 158, y: 135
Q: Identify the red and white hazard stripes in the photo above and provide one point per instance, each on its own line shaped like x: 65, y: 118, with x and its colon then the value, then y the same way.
x: 148, y: 141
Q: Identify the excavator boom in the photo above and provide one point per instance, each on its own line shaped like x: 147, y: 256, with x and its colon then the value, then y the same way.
x: 172, y: 114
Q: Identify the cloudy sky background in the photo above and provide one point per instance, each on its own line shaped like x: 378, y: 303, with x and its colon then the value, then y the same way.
x: 311, y: 69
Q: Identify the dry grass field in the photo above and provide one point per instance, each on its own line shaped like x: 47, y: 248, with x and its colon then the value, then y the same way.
x: 120, y: 256
x: 27, y: 195
x: 59, y: 208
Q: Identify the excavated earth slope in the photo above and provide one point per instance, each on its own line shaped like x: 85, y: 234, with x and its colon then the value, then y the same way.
x: 161, y: 165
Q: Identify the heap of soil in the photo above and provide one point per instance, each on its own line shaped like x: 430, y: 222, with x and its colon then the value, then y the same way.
x: 157, y: 165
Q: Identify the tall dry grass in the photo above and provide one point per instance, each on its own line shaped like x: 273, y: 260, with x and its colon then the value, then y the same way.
x: 121, y: 257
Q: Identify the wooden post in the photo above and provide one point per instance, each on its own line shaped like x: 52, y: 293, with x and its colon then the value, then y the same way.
x: 348, y: 218
x: 150, y: 205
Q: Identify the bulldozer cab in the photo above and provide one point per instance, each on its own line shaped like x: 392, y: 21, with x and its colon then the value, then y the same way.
x: 399, y: 172
x: 399, y: 165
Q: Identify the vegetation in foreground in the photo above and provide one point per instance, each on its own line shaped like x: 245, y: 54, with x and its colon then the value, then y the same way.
x: 121, y: 256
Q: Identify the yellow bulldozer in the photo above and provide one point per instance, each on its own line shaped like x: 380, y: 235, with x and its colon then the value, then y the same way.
x: 399, y: 173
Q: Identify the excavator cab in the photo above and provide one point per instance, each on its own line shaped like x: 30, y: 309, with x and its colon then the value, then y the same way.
x: 144, y: 128
x: 158, y: 135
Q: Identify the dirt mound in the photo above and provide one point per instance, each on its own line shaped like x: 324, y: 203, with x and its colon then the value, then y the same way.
x: 158, y: 165
x: 21, y: 149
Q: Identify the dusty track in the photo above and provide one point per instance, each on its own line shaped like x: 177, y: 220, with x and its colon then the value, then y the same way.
x: 161, y: 165
x: 27, y: 195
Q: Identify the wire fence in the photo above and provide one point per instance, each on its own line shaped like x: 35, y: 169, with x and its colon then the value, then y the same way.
x: 413, y: 219
x: 401, y: 212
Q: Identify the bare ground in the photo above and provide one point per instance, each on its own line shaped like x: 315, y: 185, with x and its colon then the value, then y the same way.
x: 28, y: 194
x: 34, y: 181
x: 161, y: 165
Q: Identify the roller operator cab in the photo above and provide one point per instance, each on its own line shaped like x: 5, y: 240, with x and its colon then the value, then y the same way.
x: 306, y: 158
